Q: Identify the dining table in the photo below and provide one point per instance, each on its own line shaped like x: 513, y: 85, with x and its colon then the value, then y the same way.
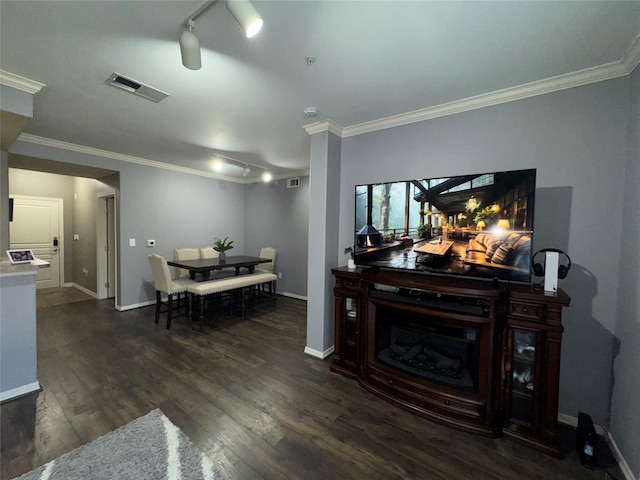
x: 205, y: 266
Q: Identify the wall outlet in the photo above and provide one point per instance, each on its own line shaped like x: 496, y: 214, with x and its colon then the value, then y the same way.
x: 132, y: 242
x: 85, y: 271
x: 151, y: 243
x: 76, y: 236
x: 279, y: 274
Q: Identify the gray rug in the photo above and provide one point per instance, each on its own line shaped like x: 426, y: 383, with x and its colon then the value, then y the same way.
x: 150, y: 447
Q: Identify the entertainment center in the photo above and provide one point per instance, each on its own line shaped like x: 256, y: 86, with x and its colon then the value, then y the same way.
x: 477, y: 355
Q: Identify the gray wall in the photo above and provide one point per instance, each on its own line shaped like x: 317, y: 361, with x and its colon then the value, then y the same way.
x: 4, y: 202
x: 175, y: 209
x: 625, y: 404
x: 15, y: 102
x: 577, y: 141
x: 18, y: 366
x: 278, y: 216
x: 39, y: 184
x: 324, y: 196
x: 84, y: 224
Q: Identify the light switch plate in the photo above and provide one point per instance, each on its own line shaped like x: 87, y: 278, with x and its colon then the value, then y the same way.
x: 132, y: 242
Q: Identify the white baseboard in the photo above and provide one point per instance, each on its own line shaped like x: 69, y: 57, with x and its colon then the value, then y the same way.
x: 292, y: 295
x: 85, y: 290
x: 20, y: 391
x: 317, y: 353
x: 600, y: 430
x: 133, y: 306
x: 624, y: 466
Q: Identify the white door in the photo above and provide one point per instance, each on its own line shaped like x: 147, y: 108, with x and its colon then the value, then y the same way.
x: 37, y: 224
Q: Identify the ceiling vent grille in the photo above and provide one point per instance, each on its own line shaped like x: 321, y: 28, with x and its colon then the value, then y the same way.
x: 293, y: 182
x: 136, y: 88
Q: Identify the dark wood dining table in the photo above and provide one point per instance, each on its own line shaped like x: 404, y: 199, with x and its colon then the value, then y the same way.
x: 206, y: 265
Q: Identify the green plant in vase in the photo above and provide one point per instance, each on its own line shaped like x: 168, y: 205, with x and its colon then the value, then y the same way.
x: 221, y: 246
x: 351, y: 253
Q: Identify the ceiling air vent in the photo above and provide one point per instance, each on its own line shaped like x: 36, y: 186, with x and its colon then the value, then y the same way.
x: 293, y: 182
x: 136, y: 88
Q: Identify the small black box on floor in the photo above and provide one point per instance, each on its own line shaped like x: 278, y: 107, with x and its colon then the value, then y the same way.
x: 586, y: 439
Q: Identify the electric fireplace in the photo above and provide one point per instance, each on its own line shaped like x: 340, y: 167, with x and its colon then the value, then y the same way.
x: 444, y: 354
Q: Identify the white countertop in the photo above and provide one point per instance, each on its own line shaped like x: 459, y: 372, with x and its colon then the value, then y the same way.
x: 7, y: 268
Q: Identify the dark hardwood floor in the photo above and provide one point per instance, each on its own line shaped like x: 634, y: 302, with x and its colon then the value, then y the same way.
x: 246, y: 395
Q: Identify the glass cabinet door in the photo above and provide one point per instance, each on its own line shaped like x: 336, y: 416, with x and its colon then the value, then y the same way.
x: 350, y: 329
x: 523, y: 373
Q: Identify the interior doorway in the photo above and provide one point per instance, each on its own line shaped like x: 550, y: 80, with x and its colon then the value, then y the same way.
x: 106, y: 247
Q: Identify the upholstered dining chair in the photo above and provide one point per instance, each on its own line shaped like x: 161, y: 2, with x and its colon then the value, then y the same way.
x: 208, y: 252
x: 165, y: 284
x: 270, y: 253
x: 185, y: 254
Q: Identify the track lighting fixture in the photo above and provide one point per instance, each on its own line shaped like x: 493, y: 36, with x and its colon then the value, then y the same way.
x: 246, y: 15
x: 242, y: 11
x: 190, y: 47
x: 230, y: 166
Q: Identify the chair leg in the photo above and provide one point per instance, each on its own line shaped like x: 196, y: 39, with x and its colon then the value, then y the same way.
x: 170, y: 313
x: 242, y: 303
x: 190, y: 308
x: 158, y: 305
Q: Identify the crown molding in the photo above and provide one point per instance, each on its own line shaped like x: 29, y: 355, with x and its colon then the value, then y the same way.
x: 532, y: 89
x: 72, y: 147
x: 21, y: 83
x: 631, y: 57
x: 324, y: 126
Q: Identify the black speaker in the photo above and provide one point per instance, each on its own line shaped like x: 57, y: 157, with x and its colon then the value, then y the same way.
x: 538, y: 268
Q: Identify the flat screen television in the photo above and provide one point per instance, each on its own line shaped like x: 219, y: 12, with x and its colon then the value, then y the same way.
x: 477, y: 225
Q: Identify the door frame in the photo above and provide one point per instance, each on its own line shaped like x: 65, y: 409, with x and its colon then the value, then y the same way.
x: 61, y: 237
x: 101, y: 241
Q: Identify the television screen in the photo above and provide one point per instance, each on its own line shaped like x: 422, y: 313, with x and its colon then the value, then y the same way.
x: 478, y: 225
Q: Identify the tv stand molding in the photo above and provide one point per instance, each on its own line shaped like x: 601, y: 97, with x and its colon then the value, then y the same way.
x: 479, y: 356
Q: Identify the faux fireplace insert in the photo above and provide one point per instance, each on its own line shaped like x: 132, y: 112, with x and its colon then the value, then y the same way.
x: 429, y: 350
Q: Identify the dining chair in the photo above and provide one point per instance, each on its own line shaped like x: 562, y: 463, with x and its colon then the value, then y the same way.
x: 270, y: 253
x: 165, y: 284
x: 185, y: 254
x: 208, y: 252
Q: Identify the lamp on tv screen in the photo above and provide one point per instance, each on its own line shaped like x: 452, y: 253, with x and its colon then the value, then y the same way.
x: 476, y: 225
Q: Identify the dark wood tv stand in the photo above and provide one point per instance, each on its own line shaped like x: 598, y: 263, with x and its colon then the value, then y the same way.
x: 504, y: 379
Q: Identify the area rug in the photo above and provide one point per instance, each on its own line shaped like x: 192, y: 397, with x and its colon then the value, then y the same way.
x: 150, y: 447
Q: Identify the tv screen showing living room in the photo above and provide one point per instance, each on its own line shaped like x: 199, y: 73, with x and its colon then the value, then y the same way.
x: 477, y: 225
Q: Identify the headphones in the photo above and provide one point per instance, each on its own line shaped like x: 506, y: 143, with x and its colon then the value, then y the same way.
x: 538, y: 269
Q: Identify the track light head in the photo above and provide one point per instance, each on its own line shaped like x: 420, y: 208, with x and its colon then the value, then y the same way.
x: 245, y: 171
x: 266, y: 176
x: 246, y: 15
x: 218, y: 164
x: 190, y: 48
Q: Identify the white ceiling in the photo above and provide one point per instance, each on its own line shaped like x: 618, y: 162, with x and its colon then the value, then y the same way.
x: 374, y: 59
